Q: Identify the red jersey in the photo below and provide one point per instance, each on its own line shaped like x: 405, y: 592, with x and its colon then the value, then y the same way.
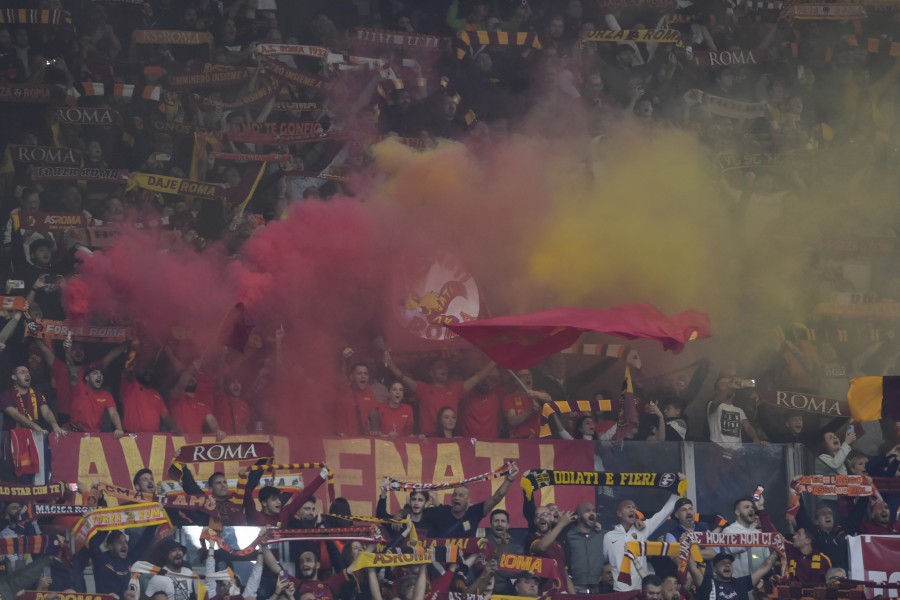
x: 480, y: 415
x: 520, y: 404
x: 143, y: 407
x: 88, y: 406
x: 189, y: 411
x: 432, y: 398
x: 396, y: 420
x: 233, y: 414
x: 353, y: 417
x: 28, y: 404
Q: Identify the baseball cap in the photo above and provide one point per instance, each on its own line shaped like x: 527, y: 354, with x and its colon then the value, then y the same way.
x: 722, y: 556
x: 681, y: 502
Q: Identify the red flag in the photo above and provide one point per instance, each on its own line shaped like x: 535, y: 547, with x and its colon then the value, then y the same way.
x: 236, y: 328
x: 520, y: 341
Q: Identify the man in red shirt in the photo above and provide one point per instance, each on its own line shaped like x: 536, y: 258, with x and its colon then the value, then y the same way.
x: 523, y: 410
x: 439, y: 393
x: 232, y: 413
x: 359, y: 411
x: 24, y: 407
x: 480, y: 413
x: 193, y: 402
x: 143, y: 406
x: 396, y: 418
x: 90, y: 402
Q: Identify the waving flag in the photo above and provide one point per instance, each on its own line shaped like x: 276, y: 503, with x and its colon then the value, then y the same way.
x: 520, y: 341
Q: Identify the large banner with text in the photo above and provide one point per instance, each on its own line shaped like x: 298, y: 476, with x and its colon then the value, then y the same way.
x: 358, y: 464
x: 873, y: 558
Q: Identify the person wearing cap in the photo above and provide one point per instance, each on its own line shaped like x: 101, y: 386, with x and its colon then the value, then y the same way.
x: 90, y: 402
x: 177, y: 583
x: 683, y: 515
x: 627, y: 531
x: 719, y: 583
x: 528, y: 584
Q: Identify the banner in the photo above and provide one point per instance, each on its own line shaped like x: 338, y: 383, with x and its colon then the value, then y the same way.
x: 29, y: 93
x: 640, y: 36
x: 209, y: 76
x: 359, y: 464
x: 175, y: 185
x: 535, y: 480
x: 19, y: 492
x: 74, y: 173
x: 118, y: 517
x: 46, y: 329
x: 88, y: 116
x: 291, y: 76
x: 723, y: 107
x: 873, y: 558
x: 47, y: 155
x: 809, y: 403
x: 45, y: 222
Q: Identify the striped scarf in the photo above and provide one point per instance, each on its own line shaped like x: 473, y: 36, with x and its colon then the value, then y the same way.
x: 241, y: 490
x: 565, y: 407
x: 29, y: 544
x: 467, y: 40
x: 275, y: 536
x: 400, y: 38
x: 468, y: 114
x: 118, y: 517
x: 407, y: 486
x: 412, y: 535
x: 34, y: 16
x: 635, y: 549
x: 118, y: 90
x: 145, y: 568
x: 827, y: 12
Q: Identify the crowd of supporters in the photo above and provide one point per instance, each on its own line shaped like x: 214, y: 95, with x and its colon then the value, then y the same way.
x: 206, y: 120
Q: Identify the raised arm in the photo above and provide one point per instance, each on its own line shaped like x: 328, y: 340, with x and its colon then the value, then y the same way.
x: 565, y: 519
x: 408, y: 381
x: 501, y: 492
x: 475, y: 379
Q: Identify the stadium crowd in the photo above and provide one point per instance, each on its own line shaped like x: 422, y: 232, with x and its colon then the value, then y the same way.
x: 204, y: 120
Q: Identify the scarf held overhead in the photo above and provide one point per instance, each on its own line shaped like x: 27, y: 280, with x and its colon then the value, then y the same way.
x: 741, y: 540
x: 567, y: 407
x: 224, y: 452
x: 19, y: 492
x: 842, y: 485
x: 633, y: 550
x: 120, y: 517
x: 466, y: 41
x: 176, y: 185
x: 407, y: 486
x: 533, y: 480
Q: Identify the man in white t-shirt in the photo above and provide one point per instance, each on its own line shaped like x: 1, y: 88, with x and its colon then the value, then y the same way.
x: 726, y: 421
x: 178, y: 583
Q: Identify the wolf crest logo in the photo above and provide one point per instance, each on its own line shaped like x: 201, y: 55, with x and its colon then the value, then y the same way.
x: 445, y: 294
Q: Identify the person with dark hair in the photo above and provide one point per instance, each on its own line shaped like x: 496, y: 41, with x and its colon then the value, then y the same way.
x: 359, y: 414
x: 720, y: 583
x: 113, y: 556
x: 274, y: 511
x: 651, y: 588
x: 177, y: 582
x: 90, y: 402
x: 412, y: 510
x: 395, y: 416
x: 791, y: 430
x: 230, y: 513
x: 144, y: 482
x: 585, y: 554
x: 447, y: 423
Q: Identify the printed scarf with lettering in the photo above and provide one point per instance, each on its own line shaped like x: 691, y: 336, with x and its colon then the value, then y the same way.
x: 841, y: 485
x: 400, y: 38
x: 176, y: 185
x: 29, y: 493
x: 257, y: 97
x: 13, y: 303
x: 620, y: 4
x: 533, y: 480
x: 635, y: 549
x: 569, y: 406
x: 291, y: 49
x: 117, y: 176
x: 466, y: 41
x: 297, y: 106
x: 48, y: 595
x: 805, y: 402
x: 119, y: 493
x: 827, y: 12
x: 407, y: 486
x: 45, y: 155
x: 36, y: 511
x: 640, y: 36
x: 118, y: 517
x: 29, y: 93
x: 208, y: 76
x: 219, y: 452
x: 46, y: 329
x: 169, y: 37
x: 367, y: 560
x: 538, y: 565
x: 251, y: 157
x: 741, y: 540
x: 74, y: 115
x: 286, y: 74
x: 725, y: 107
